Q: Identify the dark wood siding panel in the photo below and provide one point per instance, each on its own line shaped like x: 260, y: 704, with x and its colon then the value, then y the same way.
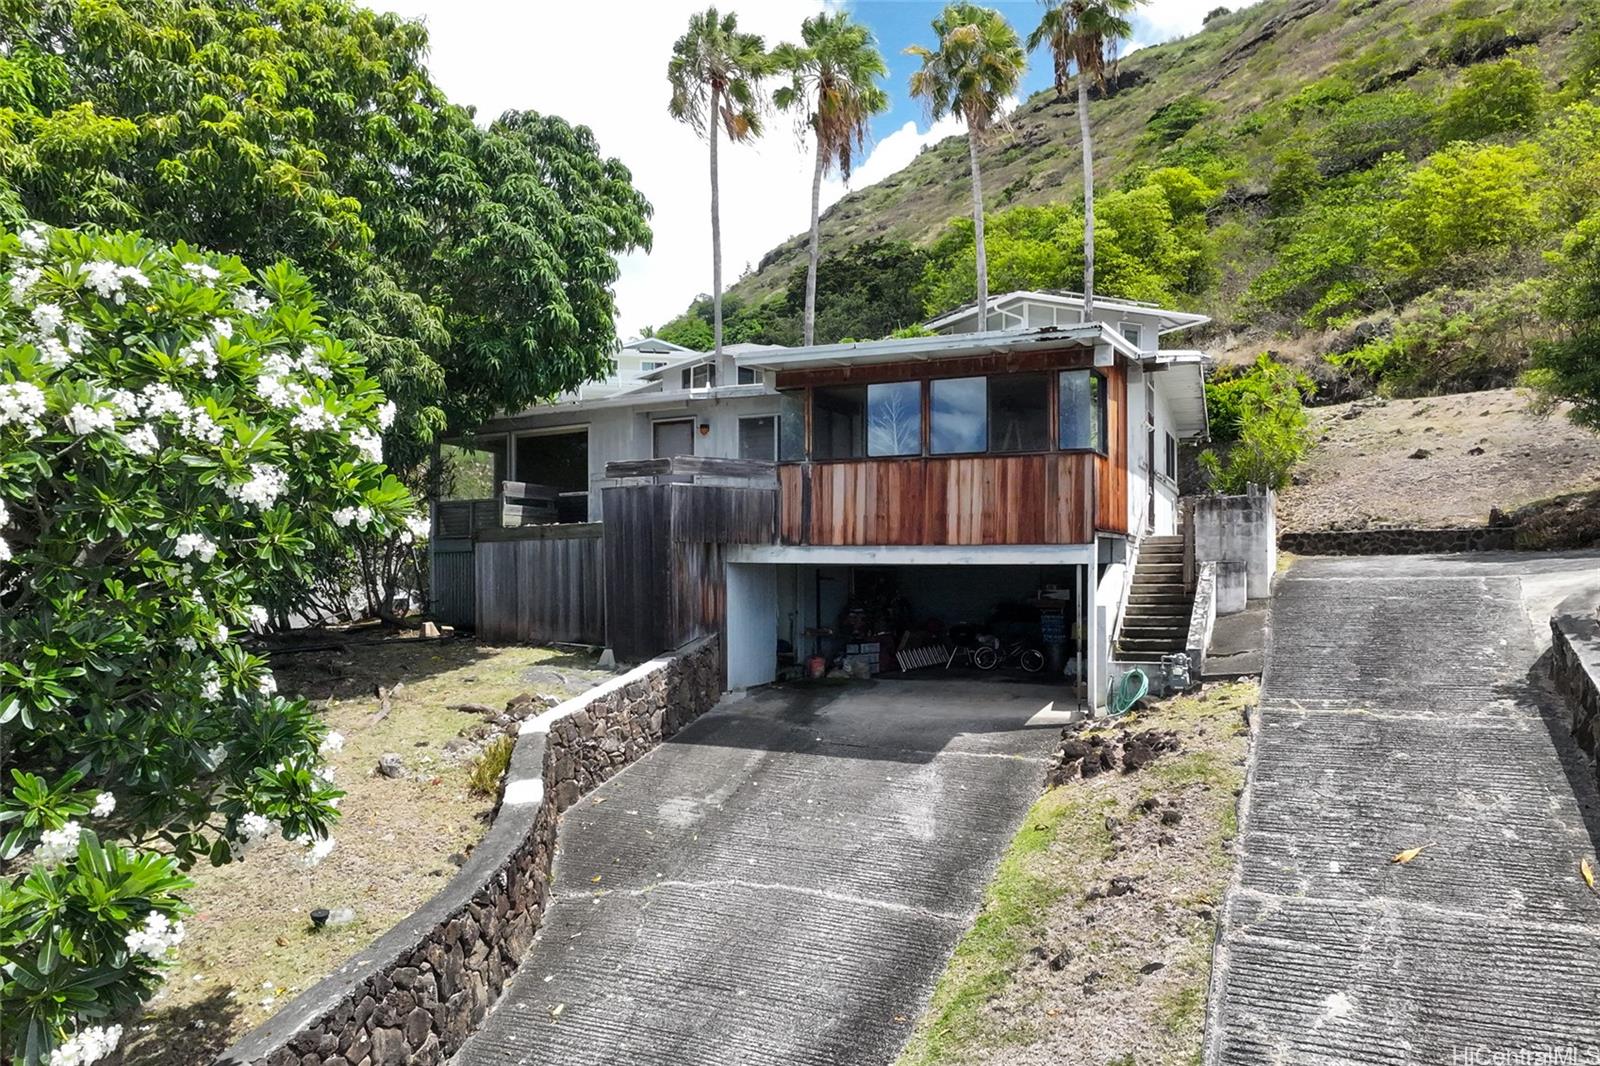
x: 1111, y: 469
x: 1005, y: 363
x: 538, y: 589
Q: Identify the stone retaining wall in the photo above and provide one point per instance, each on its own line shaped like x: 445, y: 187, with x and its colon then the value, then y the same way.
x: 1575, y: 666
x: 417, y: 992
x: 1398, y: 541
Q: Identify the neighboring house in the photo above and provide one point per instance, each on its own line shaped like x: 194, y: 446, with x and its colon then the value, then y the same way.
x: 953, y: 476
x: 644, y: 354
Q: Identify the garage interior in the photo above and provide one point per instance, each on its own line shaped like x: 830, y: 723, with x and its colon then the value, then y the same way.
x: 1017, y: 622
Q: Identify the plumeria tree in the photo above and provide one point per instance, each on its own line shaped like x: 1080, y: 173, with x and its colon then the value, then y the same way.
x: 173, y: 431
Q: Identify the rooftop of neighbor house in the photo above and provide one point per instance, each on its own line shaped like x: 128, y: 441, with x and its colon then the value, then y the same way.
x: 1167, y: 320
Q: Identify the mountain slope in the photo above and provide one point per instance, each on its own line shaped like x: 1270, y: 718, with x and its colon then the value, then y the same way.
x: 1283, y: 114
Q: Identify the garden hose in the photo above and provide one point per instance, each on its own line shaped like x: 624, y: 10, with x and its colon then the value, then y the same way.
x: 1127, y: 690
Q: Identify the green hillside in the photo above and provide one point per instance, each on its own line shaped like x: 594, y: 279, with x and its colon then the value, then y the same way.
x: 1373, y: 187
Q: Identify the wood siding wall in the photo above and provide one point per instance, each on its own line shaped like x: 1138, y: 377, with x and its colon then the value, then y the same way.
x: 1019, y: 499
x: 543, y: 585
x: 665, y: 551
x: 1111, y: 469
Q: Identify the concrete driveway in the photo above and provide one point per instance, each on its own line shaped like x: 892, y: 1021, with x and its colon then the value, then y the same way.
x: 1402, y: 706
x: 780, y: 883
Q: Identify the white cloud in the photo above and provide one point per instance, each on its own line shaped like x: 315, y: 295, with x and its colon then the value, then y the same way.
x: 603, y: 65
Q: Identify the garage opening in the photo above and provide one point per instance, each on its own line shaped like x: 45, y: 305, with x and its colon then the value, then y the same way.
x: 1000, y: 622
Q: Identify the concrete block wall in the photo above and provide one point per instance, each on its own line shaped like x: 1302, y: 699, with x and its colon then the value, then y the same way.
x: 418, y: 991
x: 1237, y: 530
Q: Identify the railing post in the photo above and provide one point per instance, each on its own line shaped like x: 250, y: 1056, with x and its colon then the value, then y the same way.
x: 1186, y: 524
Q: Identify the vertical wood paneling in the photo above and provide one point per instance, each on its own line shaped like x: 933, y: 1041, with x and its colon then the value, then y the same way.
x: 1111, y: 470
x: 534, y: 590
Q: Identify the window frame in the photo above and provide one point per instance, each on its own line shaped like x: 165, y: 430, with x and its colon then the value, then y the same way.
x: 1170, y: 459
x: 1101, y: 412
x: 928, y: 452
x: 1138, y: 329
x: 777, y: 433
x: 657, y: 422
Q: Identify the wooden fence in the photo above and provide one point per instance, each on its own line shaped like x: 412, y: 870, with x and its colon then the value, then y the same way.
x: 537, y: 584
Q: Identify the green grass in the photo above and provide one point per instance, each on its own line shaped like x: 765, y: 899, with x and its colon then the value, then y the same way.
x: 1015, y: 901
x: 1063, y: 844
x: 489, y: 768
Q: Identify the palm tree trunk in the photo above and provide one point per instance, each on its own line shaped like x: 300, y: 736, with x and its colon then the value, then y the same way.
x: 1088, y: 195
x: 977, y: 230
x: 816, y: 251
x: 716, y: 235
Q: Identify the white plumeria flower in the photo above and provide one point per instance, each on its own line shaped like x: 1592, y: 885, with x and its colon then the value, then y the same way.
x: 202, y: 271
x: 268, y: 685
x: 331, y: 743
x: 21, y: 281
x: 369, y: 444
x: 48, y: 317
x: 87, y: 1046
x: 250, y: 301
x: 197, y: 544
x: 5, y: 515
x: 21, y: 403
x: 266, y: 484
x: 417, y: 525
x: 386, y: 415
x: 84, y: 420
x: 256, y: 614
x: 104, y: 804
x: 141, y: 441
x: 158, y: 936
x: 56, y: 845
x: 33, y: 239
x: 319, y: 850
x: 5, y: 551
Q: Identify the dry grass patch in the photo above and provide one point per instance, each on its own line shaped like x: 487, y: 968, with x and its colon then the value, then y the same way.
x: 251, y: 945
x: 1061, y: 968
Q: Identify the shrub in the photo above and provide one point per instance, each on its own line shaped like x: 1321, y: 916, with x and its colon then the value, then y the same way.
x: 1465, y: 200
x: 1452, y: 340
x: 1272, y: 430
x: 173, y: 431
x: 1295, y: 178
x: 1493, y: 98
x: 1214, y: 14
x: 1173, y: 119
x: 1368, y: 127
x: 1569, y: 369
x: 1472, y: 39
x: 489, y: 768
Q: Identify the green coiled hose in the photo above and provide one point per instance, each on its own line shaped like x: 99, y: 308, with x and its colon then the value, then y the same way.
x: 1127, y: 690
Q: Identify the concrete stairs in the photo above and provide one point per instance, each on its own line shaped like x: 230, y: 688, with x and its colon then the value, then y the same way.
x: 1155, y: 621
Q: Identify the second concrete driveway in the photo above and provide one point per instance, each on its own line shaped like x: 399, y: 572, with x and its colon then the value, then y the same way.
x: 780, y: 883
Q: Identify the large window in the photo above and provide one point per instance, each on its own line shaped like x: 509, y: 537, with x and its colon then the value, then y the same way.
x: 673, y: 438
x: 472, y: 473
x: 894, y: 418
x: 748, y: 375
x: 792, y: 425
x: 839, y: 422
x: 699, y: 377
x: 1083, y: 411
x: 958, y: 416
x: 758, y: 437
x: 1019, y: 413
x: 560, y: 461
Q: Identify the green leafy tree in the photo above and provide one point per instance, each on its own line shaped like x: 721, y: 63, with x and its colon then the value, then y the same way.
x: 1568, y: 370
x: 868, y: 290
x: 1083, y: 36
x: 1493, y: 99
x: 172, y: 431
x: 1295, y: 179
x: 1464, y: 200
x: 833, y: 80
x: 978, y: 64
x: 1262, y: 413
x: 715, y: 73
x: 1372, y: 125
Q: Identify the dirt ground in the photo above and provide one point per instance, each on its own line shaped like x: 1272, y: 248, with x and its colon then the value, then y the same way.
x: 250, y: 944
x: 1094, y: 942
x: 1435, y: 461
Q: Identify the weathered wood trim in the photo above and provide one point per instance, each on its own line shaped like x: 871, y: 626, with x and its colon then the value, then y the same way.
x: 691, y: 465
x: 1068, y: 356
x: 548, y: 531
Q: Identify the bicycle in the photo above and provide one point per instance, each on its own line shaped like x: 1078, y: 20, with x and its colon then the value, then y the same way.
x: 987, y: 657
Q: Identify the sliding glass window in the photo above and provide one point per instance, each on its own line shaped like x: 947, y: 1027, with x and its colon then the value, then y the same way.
x: 958, y: 416
x: 894, y: 418
x: 1083, y: 411
x: 792, y: 426
x: 1019, y: 413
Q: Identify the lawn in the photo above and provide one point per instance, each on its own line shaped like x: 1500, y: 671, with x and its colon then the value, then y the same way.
x: 251, y: 945
x: 1059, y: 967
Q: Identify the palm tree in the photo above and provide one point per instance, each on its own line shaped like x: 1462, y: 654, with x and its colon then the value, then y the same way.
x: 714, y: 73
x: 1084, y: 34
x: 979, y: 63
x: 834, y: 74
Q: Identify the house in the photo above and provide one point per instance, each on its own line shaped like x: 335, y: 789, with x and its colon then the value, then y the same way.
x: 643, y: 354
x: 1006, y: 480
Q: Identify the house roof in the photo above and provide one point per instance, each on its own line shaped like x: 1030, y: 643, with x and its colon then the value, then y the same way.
x: 1170, y: 320
x: 655, y: 346
x: 945, y: 346
x: 693, y: 358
